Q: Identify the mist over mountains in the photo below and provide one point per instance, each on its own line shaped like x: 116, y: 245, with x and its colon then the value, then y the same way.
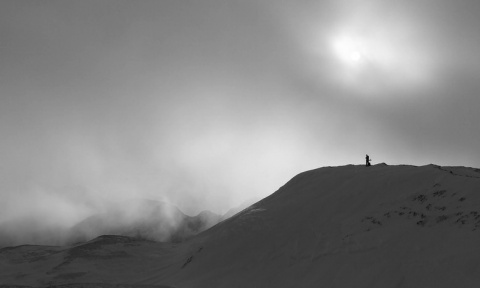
x: 147, y: 219
x: 350, y: 226
x: 139, y: 218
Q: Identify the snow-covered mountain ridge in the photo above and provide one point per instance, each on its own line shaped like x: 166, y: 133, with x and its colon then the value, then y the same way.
x: 349, y: 226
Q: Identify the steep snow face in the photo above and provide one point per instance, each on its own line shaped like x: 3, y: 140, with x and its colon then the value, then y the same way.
x: 351, y: 226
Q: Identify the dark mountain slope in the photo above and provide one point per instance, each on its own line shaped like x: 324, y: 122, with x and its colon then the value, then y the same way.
x: 351, y: 226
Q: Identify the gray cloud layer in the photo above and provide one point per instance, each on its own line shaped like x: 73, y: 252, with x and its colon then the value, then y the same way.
x: 208, y: 103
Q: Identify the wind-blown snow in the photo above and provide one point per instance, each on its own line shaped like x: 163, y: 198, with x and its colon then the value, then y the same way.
x: 351, y: 226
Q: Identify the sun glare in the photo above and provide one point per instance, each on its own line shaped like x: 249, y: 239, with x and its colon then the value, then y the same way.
x: 372, y: 60
x: 369, y: 54
x: 349, y: 50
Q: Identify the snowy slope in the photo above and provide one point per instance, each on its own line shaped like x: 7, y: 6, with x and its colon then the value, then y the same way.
x: 351, y: 226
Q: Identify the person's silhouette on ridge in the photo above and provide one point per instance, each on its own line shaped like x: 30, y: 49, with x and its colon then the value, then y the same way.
x: 367, y: 159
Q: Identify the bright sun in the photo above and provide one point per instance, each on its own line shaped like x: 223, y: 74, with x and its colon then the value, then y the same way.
x: 349, y: 50
x: 368, y: 54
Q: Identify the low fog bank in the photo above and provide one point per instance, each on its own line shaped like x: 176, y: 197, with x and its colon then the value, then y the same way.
x: 147, y: 219
x: 140, y: 218
x: 50, y: 184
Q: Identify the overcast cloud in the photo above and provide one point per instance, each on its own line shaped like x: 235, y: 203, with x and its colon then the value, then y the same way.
x: 206, y: 104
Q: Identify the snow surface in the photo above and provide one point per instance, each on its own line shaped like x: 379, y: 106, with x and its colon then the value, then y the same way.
x: 350, y: 226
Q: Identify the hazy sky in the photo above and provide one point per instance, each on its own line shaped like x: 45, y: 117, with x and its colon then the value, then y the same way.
x: 207, y: 103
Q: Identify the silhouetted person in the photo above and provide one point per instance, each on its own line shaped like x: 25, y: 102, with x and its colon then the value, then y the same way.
x: 367, y: 159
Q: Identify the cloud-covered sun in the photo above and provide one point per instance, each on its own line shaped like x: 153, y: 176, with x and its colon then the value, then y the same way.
x: 372, y: 59
x: 349, y: 50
